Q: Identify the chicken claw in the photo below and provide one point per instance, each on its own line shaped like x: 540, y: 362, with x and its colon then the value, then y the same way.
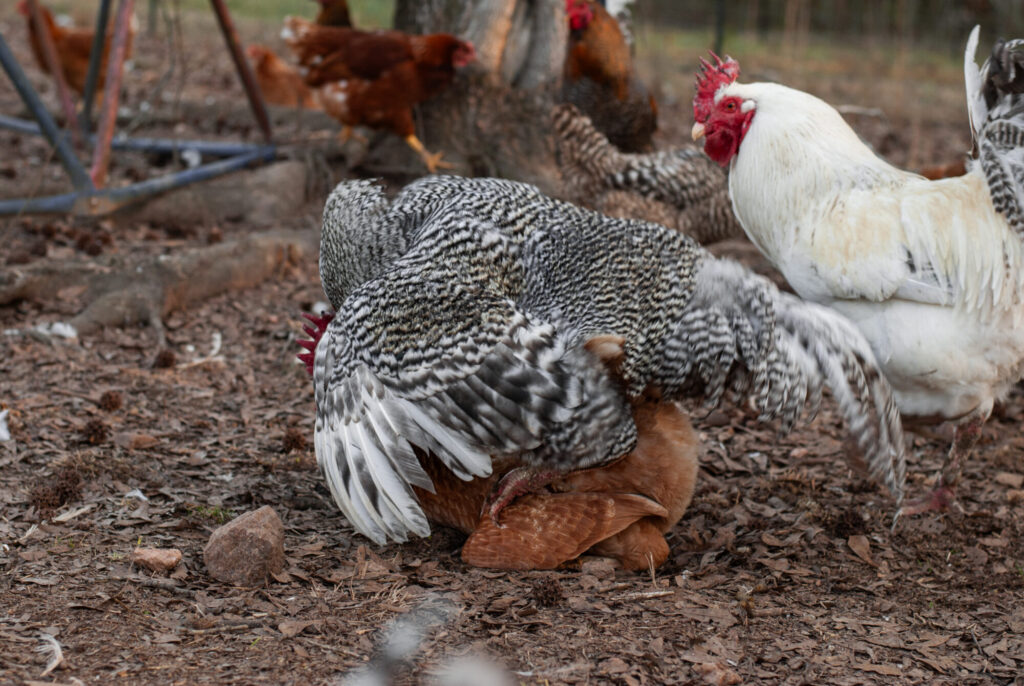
x: 515, y: 483
x: 431, y: 159
x: 347, y: 133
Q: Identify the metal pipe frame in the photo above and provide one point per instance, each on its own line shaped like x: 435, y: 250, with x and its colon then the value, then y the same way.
x: 87, y: 199
x: 252, y: 89
x: 52, y: 61
x: 111, y: 94
x: 142, y: 144
x: 92, y: 76
x: 103, y: 201
x: 79, y: 177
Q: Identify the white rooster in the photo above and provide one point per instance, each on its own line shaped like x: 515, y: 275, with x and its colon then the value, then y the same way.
x: 930, y: 271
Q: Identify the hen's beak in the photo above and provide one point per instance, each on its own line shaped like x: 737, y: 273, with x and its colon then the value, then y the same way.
x: 697, y: 132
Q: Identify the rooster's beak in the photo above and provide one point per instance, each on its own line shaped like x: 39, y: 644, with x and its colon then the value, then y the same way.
x: 697, y: 132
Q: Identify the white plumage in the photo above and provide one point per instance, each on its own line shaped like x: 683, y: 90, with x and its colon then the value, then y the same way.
x: 930, y: 271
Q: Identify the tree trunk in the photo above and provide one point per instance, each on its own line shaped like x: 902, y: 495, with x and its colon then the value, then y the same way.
x: 495, y: 118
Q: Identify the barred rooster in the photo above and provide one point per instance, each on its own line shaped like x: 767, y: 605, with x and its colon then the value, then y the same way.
x: 478, y: 319
x: 679, y: 188
x: 931, y: 272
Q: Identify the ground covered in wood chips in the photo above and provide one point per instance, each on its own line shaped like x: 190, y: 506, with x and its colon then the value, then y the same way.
x: 784, y: 570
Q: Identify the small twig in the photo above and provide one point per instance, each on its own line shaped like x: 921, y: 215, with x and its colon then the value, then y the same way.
x: 163, y: 584
x: 641, y: 595
x: 224, y: 627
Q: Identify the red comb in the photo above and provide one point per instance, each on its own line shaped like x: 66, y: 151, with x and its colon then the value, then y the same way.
x: 710, y: 78
x: 314, y: 334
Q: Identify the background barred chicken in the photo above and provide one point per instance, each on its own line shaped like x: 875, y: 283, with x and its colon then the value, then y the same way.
x: 931, y: 272
x: 679, y: 188
x: 478, y: 319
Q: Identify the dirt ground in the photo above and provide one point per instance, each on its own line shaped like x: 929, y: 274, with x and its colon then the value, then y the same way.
x: 785, y: 569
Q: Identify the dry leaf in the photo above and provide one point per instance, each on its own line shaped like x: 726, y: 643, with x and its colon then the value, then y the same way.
x: 292, y: 627
x: 859, y: 545
x: 886, y: 670
x: 1010, y: 479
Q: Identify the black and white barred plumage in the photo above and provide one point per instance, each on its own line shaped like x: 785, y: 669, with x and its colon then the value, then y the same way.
x: 996, y: 107
x: 680, y: 188
x: 463, y: 311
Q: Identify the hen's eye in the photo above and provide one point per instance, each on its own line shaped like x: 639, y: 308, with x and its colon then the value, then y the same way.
x: 730, y: 106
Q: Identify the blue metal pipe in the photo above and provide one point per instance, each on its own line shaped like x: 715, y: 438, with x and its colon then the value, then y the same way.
x: 92, y: 76
x: 98, y: 202
x: 212, y: 148
x: 79, y: 177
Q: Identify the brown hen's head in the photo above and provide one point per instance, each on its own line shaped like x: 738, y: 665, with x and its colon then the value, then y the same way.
x: 257, y: 53
x: 315, y: 334
x: 464, y: 54
x: 580, y: 14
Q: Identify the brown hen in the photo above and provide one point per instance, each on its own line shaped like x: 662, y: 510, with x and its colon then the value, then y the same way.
x: 280, y: 82
x: 375, y: 79
x: 621, y: 511
x: 73, y: 47
x: 600, y: 79
x: 333, y: 13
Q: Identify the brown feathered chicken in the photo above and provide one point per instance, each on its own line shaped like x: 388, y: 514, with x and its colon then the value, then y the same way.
x: 679, y: 188
x: 600, y: 80
x: 333, y: 13
x: 280, y: 82
x: 73, y: 47
x: 945, y: 171
x: 621, y: 511
x: 375, y: 79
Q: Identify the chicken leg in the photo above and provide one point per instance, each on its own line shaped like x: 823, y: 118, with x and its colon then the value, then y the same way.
x: 431, y: 159
x: 943, y: 496
x: 516, y: 482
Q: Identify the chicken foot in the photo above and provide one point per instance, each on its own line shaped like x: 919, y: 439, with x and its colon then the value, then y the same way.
x: 516, y: 482
x: 431, y: 159
x: 965, y: 436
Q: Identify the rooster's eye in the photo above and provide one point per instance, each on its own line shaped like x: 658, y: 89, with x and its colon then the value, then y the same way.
x: 730, y: 106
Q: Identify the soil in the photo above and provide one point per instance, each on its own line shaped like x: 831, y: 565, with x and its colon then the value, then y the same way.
x: 785, y: 570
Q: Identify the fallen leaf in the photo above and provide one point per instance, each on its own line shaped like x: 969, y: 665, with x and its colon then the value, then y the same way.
x: 293, y: 627
x: 41, y: 581
x: 717, y: 674
x: 614, y: 665
x: 133, y: 441
x: 1010, y: 479
x: 885, y: 670
x: 860, y: 546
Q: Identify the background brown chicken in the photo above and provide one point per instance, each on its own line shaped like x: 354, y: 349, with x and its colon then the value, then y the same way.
x: 280, y: 82
x: 333, y: 13
x: 600, y: 79
x: 621, y: 511
x: 375, y: 79
x: 73, y: 47
x: 945, y: 171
